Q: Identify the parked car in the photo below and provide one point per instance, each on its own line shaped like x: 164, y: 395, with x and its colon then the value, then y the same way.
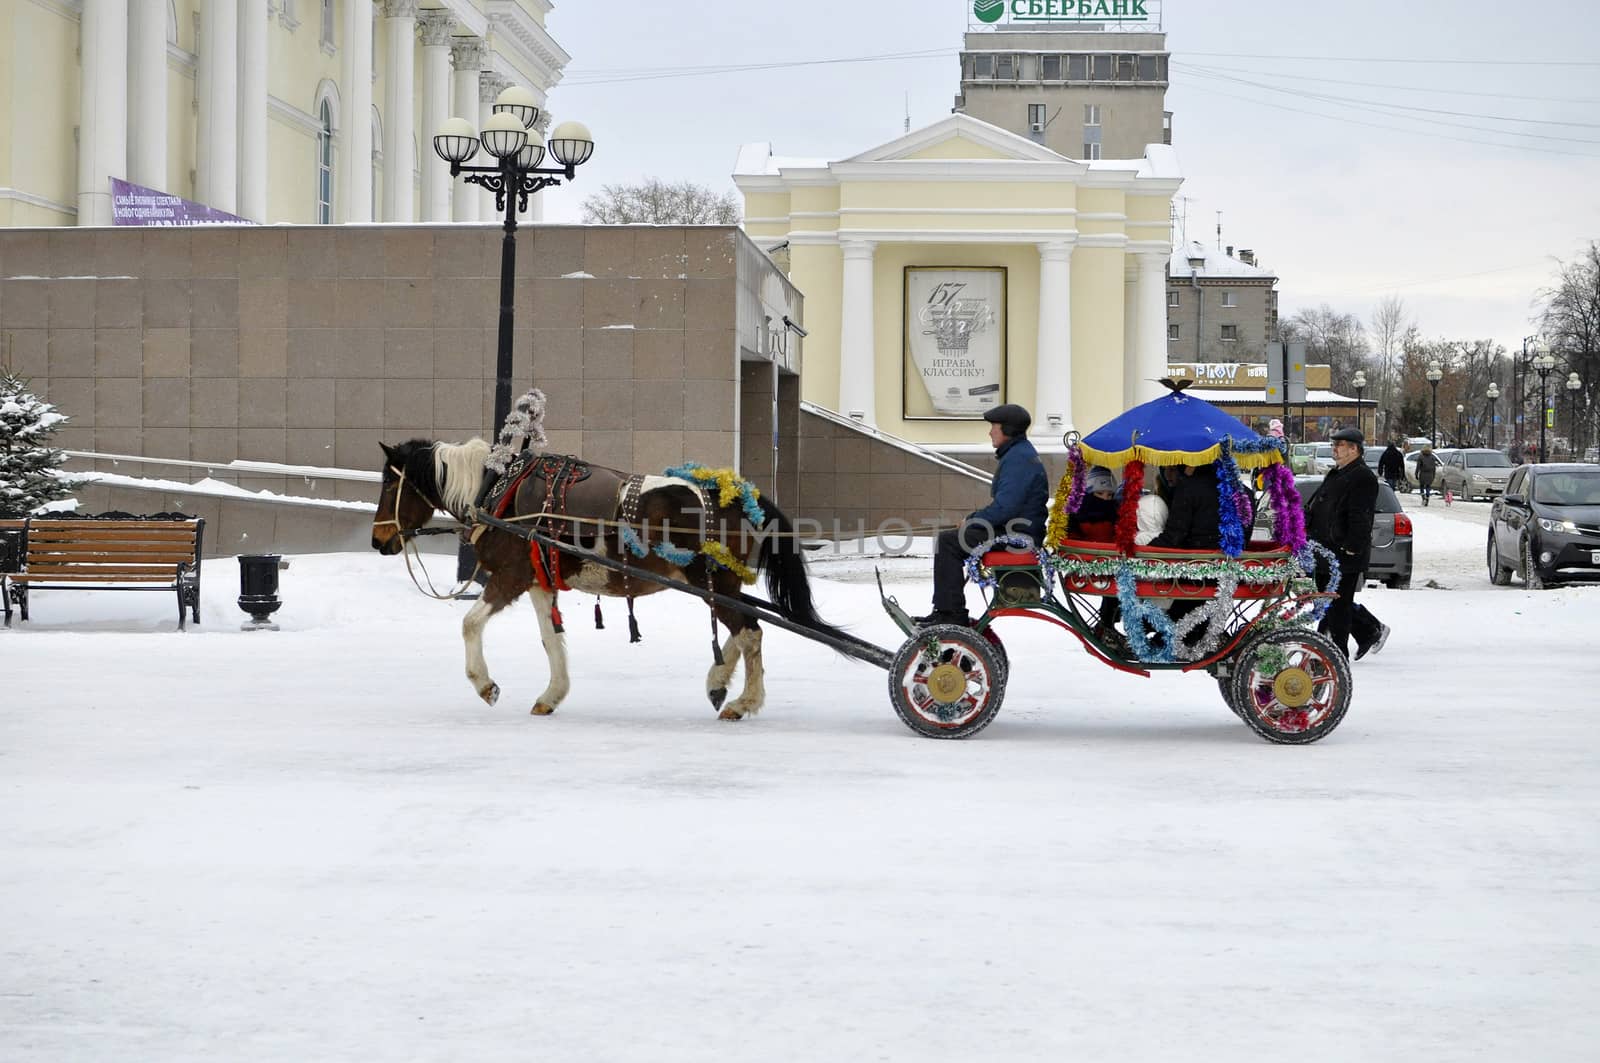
x: 1371, y: 455
x: 1391, y: 533
x: 1442, y: 453
x: 1322, y: 462
x: 1300, y: 456
x: 1476, y: 472
x: 1546, y: 527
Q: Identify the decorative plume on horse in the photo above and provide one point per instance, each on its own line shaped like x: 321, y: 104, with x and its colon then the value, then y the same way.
x: 706, y: 528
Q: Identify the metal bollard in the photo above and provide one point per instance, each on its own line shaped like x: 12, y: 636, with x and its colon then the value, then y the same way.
x: 258, y: 590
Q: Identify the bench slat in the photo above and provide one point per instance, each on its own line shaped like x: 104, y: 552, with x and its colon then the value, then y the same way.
x: 111, y: 569
x: 176, y: 538
x: 109, y: 549
x: 88, y: 523
x: 165, y: 579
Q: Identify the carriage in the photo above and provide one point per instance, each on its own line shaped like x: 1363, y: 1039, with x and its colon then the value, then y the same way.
x: 1251, y: 627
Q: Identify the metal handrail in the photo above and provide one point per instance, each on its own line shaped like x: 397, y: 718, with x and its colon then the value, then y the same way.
x: 943, y: 460
x: 258, y: 468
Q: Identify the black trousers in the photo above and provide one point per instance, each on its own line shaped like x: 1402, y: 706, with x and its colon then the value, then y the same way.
x: 1344, y: 617
x: 950, y: 554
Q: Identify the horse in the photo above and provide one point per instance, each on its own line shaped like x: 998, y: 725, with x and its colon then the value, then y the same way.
x: 676, y: 516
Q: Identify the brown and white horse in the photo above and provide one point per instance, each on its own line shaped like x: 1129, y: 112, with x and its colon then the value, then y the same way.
x: 422, y: 476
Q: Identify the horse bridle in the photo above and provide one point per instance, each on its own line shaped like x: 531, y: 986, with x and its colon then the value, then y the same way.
x: 395, y: 520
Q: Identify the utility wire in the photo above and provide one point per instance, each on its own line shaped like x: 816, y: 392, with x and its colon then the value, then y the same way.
x: 1379, y: 104
x: 690, y: 72
x: 1407, y: 88
x: 1375, y: 59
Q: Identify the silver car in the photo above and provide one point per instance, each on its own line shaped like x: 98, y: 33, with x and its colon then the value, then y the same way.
x: 1476, y: 472
x: 1390, y: 562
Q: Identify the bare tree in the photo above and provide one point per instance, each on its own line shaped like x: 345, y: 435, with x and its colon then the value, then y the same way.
x: 1331, y: 337
x: 657, y: 202
x: 1389, y: 324
x: 1569, y: 317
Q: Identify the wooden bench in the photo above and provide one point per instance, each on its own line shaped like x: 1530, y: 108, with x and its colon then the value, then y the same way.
x: 111, y: 552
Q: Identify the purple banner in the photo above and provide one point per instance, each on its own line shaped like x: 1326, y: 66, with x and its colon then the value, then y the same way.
x: 133, y: 204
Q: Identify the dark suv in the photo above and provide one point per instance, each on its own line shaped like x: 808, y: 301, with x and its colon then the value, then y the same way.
x: 1547, y: 526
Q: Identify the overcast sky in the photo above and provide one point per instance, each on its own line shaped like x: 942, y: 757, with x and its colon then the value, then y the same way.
x: 1347, y: 202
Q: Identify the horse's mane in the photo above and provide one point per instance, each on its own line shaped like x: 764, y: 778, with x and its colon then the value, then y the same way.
x: 458, y: 468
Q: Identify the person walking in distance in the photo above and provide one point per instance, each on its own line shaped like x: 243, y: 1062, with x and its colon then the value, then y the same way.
x: 1339, y: 516
x: 1392, y: 466
x: 1017, y: 494
x: 1427, y: 467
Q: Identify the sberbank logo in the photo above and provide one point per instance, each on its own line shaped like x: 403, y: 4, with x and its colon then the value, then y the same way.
x: 1061, y: 10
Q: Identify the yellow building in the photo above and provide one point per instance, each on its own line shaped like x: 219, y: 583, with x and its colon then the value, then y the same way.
x: 962, y: 266
x: 274, y: 110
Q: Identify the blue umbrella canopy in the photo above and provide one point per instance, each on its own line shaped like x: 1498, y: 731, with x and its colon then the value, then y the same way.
x: 1177, y: 429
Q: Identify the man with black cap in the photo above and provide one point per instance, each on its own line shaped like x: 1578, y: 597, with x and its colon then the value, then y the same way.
x: 1017, y: 494
x: 1339, y: 516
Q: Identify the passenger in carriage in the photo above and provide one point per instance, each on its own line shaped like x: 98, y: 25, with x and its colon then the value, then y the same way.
x: 1194, y: 512
x: 1017, y: 494
x: 1153, y: 504
x: 1096, y: 519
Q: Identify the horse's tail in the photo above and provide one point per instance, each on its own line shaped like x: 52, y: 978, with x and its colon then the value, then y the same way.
x: 781, y: 558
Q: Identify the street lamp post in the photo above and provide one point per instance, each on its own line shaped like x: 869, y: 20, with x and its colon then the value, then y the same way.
x: 1573, y: 385
x: 515, y: 175
x: 1460, y: 424
x: 1435, y: 374
x: 1359, y: 381
x: 1494, y: 393
x: 1543, y: 362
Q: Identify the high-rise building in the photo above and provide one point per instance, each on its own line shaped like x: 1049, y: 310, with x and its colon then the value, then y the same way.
x: 1083, y: 89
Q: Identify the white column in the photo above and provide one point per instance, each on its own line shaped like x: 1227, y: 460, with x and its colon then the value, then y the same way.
x: 1152, y: 324
x: 399, y: 123
x: 103, y: 107
x: 216, y: 163
x: 355, y: 113
x: 857, y: 352
x: 434, y: 28
x: 147, y: 85
x: 1052, y: 409
x: 1130, y: 330
x: 541, y: 130
x: 253, y: 19
x: 490, y: 85
x: 466, y: 53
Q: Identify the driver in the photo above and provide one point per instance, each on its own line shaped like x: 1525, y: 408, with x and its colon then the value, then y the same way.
x: 1017, y: 495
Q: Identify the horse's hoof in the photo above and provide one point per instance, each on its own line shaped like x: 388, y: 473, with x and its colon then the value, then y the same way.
x: 490, y: 694
x: 718, y: 696
x: 730, y: 713
x: 541, y: 709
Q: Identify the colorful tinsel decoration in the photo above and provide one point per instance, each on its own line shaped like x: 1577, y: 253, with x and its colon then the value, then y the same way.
x: 730, y: 487
x: 1153, y: 570
x: 631, y: 540
x: 720, y: 554
x: 1288, y: 519
x: 1307, y: 557
x: 1128, y: 515
x: 1230, y: 533
x: 673, y: 554
x: 983, y: 577
x: 1141, y: 619
x: 1069, y: 496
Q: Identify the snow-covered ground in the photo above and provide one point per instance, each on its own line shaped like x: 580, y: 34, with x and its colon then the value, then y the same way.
x: 317, y: 844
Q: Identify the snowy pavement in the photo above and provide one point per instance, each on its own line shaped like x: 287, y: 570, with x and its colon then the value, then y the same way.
x: 317, y: 844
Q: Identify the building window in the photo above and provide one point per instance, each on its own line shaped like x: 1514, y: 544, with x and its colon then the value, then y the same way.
x: 1036, y: 117
x: 325, y: 166
x: 983, y: 66
x: 1091, y: 151
x: 1091, y: 114
x: 1172, y: 332
x: 1166, y: 127
x: 1152, y: 68
x: 1077, y: 68
x: 1050, y: 68
x: 1230, y: 333
x: 1127, y: 68
x: 1005, y: 67
x: 327, y: 22
x: 1101, y: 68
x: 1229, y: 299
x: 1174, y: 299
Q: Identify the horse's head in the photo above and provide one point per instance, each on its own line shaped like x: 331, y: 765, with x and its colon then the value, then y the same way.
x: 407, y: 500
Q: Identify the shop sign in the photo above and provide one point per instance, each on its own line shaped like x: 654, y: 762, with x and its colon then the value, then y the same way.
x: 955, y: 341
x: 1061, y: 10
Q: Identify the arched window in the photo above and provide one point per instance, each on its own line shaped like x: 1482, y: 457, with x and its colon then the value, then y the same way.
x: 325, y: 165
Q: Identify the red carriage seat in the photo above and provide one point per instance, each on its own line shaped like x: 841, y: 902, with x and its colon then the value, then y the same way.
x: 1000, y: 558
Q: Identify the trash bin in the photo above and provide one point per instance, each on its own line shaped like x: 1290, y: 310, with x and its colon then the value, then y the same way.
x: 258, y: 589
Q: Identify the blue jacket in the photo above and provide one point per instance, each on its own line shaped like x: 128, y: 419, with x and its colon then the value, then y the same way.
x: 1019, y: 491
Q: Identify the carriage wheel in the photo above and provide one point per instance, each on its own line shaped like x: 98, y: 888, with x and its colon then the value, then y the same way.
x: 1291, y: 685
x: 947, y: 681
x: 999, y: 651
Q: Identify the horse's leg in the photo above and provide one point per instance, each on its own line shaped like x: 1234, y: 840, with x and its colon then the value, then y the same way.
x: 754, y: 694
x: 472, y: 634
x: 555, y: 651
x: 719, y: 675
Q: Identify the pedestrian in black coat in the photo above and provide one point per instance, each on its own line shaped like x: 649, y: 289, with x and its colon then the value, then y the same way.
x: 1194, y: 513
x: 1339, y: 516
x: 1392, y: 467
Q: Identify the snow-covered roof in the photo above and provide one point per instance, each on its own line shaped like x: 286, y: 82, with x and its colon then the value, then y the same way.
x: 1224, y: 396
x: 756, y: 160
x: 1218, y: 263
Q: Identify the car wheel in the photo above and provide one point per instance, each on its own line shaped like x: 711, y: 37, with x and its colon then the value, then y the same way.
x: 1530, y: 574
x: 1499, y: 571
